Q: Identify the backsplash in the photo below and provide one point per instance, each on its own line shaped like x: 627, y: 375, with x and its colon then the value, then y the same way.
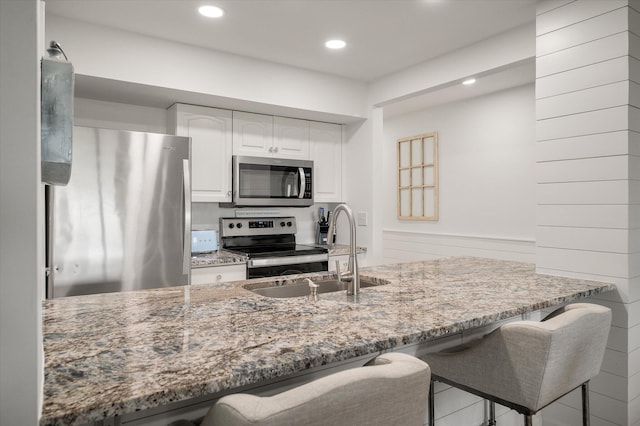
x: 206, y: 215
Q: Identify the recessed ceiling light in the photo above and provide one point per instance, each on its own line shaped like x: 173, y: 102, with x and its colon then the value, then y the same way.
x: 335, y: 44
x: 469, y: 81
x: 211, y: 11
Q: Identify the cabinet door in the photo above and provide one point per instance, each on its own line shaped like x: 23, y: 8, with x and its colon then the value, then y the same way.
x: 211, y: 145
x: 326, y: 152
x: 252, y: 134
x: 290, y: 138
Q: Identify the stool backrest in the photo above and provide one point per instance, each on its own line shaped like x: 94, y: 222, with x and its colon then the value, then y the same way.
x: 391, y: 389
x: 558, y: 354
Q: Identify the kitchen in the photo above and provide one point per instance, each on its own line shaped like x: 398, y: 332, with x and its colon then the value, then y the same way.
x: 360, y: 136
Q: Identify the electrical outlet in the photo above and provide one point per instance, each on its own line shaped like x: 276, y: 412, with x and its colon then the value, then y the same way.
x: 362, y: 219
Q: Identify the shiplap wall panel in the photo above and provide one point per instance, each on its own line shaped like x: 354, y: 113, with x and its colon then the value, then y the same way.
x: 634, y: 144
x: 587, y: 146
x: 604, y: 192
x: 598, y: 74
x: 584, y: 169
x: 545, y: 6
x: 611, y: 385
x: 574, y: 13
x: 597, y: 263
x: 594, y: 98
x: 616, y: 363
x: 585, y: 31
x: 584, y: 216
x: 610, y: 47
x: 622, y: 314
x: 592, y: 239
x: 587, y: 123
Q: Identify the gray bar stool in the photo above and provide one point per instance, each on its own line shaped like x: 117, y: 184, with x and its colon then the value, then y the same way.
x: 389, y: 390
x: 527, y: 365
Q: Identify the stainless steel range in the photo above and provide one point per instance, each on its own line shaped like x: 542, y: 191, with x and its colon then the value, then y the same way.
x: 270, y: 245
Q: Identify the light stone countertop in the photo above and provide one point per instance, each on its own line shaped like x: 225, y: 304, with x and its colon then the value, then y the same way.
x: 217, y: 258
x: 116, y: 353
x: 223, y: 257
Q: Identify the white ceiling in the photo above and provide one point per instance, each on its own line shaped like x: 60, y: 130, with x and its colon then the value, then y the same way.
x: 383, y: 36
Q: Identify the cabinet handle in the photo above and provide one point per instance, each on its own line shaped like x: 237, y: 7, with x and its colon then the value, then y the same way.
x: 275, y: 149
x: 270, y: 149
x: 218, y: 277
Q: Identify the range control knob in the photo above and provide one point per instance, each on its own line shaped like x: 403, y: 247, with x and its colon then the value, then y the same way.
x: 231, y: 226
x: 289, y: 224
x: 282, y: 223
x: 239, y: 225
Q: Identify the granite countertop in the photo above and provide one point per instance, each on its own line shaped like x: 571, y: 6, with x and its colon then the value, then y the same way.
x: 223, y: 257
x: 217, y: 258
x: 116, y: 353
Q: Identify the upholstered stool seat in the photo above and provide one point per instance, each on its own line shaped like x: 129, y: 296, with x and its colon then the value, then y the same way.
x: 526, y: 365
x: 392, y: 389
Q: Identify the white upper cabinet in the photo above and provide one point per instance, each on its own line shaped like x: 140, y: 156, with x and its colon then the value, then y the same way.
x: 291, y: 138
x: 326, y: 152
x: 267, y: 136
x: 211, y: 149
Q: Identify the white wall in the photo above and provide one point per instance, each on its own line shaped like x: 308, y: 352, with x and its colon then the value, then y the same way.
x: 486, y: 178
x: 21, y: 213
x: 119, y: 116
x: 132, y: 58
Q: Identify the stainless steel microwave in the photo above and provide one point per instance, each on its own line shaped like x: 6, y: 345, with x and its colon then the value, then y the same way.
x: 277, y: 182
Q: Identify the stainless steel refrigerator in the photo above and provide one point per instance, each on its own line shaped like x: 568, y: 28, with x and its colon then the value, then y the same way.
x: 123, y: 222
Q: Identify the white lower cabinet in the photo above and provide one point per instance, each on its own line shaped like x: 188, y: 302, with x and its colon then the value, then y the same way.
x: 218, y: 274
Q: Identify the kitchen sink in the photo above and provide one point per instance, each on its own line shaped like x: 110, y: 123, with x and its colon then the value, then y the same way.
x: 302, y: 288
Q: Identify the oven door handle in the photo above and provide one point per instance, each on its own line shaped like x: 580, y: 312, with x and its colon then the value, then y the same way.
x: 287, y: 260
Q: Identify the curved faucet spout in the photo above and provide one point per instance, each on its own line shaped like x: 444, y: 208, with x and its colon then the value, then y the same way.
x: 351, y: 275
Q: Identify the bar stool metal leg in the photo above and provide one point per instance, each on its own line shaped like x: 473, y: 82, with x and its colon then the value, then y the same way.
x: 528, y: 420
x: 492, y: 413
x: 432, y: 413
x: 585, y: 404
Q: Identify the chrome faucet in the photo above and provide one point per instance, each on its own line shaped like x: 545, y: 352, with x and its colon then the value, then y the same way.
x: 351, y: 275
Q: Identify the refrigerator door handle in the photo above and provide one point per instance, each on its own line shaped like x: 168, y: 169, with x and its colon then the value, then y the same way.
x: 186, y: 259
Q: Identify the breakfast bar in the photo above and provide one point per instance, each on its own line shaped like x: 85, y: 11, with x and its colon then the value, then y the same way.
x: 109, y: 355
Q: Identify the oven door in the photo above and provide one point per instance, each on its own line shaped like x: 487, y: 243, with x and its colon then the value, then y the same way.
x: 261, y: 181
x: 287, y: 265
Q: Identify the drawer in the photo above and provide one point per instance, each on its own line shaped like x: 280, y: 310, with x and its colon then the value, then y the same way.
x: 218, y: 274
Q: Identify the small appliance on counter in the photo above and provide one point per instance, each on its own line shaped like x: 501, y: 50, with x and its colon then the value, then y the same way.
x: 204, y: 241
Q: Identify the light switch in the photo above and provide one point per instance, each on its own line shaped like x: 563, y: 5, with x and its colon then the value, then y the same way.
x: 362, y: 219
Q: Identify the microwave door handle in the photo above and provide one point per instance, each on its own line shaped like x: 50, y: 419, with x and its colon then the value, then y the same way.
x: 303, y: 182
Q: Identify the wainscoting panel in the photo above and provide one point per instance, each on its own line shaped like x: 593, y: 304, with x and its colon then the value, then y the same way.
x: 405, y: 246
